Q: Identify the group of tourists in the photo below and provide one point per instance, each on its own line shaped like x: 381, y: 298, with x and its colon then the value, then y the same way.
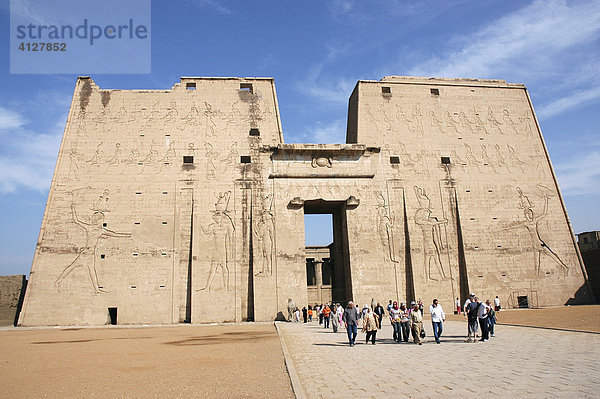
x: 406, y: 321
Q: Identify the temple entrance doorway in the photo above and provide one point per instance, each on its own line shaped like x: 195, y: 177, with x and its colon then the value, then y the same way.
x: 327, y: 253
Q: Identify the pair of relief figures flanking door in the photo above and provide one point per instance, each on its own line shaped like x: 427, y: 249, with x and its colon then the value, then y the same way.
x: 434, y: 243
x: 219, y: 233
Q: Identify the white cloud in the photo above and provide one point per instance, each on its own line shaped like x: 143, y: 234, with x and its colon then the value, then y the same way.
x: 28, y: 154
x: 571, y: 101
x: 528, y: 41
x: 580, y: 175
x: 322, y: 88
x: 327, y: 132
x: 10, y: 119
x: 214, y: 6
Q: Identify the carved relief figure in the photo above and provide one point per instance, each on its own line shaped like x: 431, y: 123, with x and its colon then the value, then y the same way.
x: 210, y: 115
x: 169, y: 156
x: 452, y: 123
x: 87, y: 255
x: 97, y: 158
x: 479, y: 125
x: 115, y: 160
x: 507, y: 120
x: 436, y: 122
x: 220, y: 232
x: 385, y: 225
x: 417, y: 121
x: 514, y: 160
x: 131, y: 160
x: 486, y: 159
x: 191, y: 119
x: 75, y: 158
x: 264, y: 229
x: 432, y: 236
x: 150, y: 159
x: 211, y: 156
x: 531, y: 223
x: 525, y: 121
x: 101, y: 204
x: 465, y: 123
x: 471, y: 157
x: 170, y: 117
x: 494, y: 122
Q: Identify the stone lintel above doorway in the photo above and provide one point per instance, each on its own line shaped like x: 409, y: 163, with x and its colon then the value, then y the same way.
x: 321, y: 160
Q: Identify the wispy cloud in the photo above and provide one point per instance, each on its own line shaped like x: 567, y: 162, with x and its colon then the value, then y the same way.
x: 10, y: 119
x: 333, y: 132
x: 580, y: 175
x: 28, y: 153
x: 528, y: 40
x: 325, y: 88
x: 571, y: 101
x: 213, y: 6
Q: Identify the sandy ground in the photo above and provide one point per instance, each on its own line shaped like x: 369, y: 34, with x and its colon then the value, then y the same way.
x: 583, y: 318
x: 222, y: 361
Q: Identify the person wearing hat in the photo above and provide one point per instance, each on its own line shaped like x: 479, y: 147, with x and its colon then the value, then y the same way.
x: 416, y: 319
x: 350, y: 319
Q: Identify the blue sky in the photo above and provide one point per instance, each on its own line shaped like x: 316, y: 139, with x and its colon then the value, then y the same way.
x: 316, y: 51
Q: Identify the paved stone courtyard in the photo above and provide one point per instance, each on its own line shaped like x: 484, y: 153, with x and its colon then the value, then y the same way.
x: 519, y: 362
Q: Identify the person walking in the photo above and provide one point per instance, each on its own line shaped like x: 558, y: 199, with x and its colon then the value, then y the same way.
x: 389, y: 306
x: 320, y: 313
x: 437, y: 318
x: 370, y: 325
x: 497, y: 304
x: 310, y: 313
x: 340, y: 314
x: 416, y: 319
x: 420, y: 303
x: 350, y: 319
x: 458, y: 309
x: 405, y: 322
x: 326, y: 313
x: 305, y: 314
x: 334, y: 318
x: 471, y: 309
x: 379, y: 311
x: 395, y: 319
x: 482, y: 315
x: 491, y: 319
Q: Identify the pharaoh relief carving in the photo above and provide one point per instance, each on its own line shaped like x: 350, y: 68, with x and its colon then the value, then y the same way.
x: 211, y: 159
x: 94, y: 230
x: 221, y: 235
x: 385, y: 227
x: 531, y: 222
x: 210, y: 116
x: 264, y: 233
x: 432, y: 237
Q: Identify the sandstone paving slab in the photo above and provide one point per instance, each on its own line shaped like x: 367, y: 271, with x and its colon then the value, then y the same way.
x: 517, y: 362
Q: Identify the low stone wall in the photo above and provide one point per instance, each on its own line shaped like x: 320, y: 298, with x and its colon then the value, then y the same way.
x: 12, y: 291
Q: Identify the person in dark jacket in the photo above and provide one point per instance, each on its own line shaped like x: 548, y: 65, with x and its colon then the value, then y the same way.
x: 350, y: 319
x: 379, y: 311
x: 305, y: 314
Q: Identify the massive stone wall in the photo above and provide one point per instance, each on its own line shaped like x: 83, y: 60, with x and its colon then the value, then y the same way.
x: 185, y: 205
x: 12, y: 290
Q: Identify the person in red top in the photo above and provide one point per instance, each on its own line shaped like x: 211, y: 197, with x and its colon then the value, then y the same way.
x: 326, y: 314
